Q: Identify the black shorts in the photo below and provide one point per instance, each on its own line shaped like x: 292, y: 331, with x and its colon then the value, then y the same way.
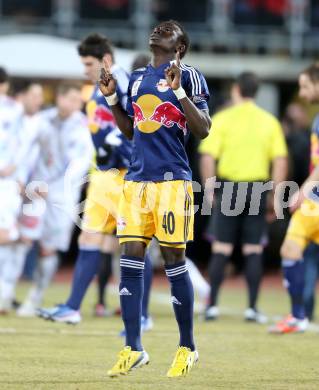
x: 249, y: 226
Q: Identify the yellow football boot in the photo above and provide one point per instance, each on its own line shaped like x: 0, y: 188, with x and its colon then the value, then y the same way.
x: 183, y: 362
x: 128, y: 360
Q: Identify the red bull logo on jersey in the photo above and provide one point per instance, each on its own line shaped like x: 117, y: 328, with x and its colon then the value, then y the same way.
x: 99, y: 116
x: 150, y: 113
x: 138, y: 114
x: 169, y: 115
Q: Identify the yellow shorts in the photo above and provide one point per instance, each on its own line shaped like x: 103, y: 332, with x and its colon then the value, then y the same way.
x: 304, y: 224
x: 101, y: 204
x: 164, y: 210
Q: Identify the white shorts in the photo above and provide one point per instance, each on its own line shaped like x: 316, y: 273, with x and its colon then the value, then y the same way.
x: 52, y: 228
x: 10, y: 206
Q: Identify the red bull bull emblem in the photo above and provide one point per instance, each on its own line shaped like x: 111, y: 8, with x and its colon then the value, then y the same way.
x: 165, y: 114
x: 138, y: 114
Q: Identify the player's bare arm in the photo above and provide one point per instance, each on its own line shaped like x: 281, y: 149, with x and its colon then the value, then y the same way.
x: 198, y: 121
x: 107, y: 85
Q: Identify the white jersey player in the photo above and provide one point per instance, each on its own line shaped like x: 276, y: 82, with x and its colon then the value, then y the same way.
x: 20, y: 128
x: 66, y: 151
x: 10, y: 110
x: 64, y: 158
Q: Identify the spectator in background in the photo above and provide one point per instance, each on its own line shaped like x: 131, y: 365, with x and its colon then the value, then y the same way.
x: 314, y: 13
x: 184, y: 11
x: 104, y: 9
x: 246, y: 141
x: 26, y: 11
x: 260, y: 12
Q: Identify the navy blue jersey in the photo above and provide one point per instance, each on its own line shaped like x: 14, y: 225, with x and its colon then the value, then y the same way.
x: 160, y: 127
x: 113, y: 149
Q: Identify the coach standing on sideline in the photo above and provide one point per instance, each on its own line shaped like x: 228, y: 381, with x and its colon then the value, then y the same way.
x: 246, y: 145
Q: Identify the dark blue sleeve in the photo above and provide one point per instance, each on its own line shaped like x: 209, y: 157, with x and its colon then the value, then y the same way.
x: 195, y: 86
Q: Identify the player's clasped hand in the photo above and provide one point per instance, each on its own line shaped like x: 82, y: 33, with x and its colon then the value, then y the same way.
x: 107, y: 82
x: 173, y: 73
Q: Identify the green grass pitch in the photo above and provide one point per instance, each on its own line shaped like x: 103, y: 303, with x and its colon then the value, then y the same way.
x: 37, y: 354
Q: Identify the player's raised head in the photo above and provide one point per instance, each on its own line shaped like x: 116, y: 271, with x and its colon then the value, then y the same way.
x: 170, y: 36
x: 309, y: 83
x: 92, y: 50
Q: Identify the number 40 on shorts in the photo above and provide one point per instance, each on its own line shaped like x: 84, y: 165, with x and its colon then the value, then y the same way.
x: 168, y: 223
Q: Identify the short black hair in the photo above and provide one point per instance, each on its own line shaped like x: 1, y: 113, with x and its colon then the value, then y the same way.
x: 184, y: 38
x: 22, y: 85
x: 95, y: 45
x: 248, y: 84
x: 4, y: 77
x: 313, y: 72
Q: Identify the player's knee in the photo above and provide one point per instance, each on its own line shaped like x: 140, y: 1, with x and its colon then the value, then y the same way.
x: 134, y: 248
x: 172, y: 256
x: 291, y: 250
x: 223, y: 248
x: 252, y: 249
x: 87, y: 239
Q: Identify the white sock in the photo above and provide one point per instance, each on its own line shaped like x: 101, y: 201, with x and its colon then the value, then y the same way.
x: 45, y: 270
x: 12, y: 271
x: 199, y: 283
